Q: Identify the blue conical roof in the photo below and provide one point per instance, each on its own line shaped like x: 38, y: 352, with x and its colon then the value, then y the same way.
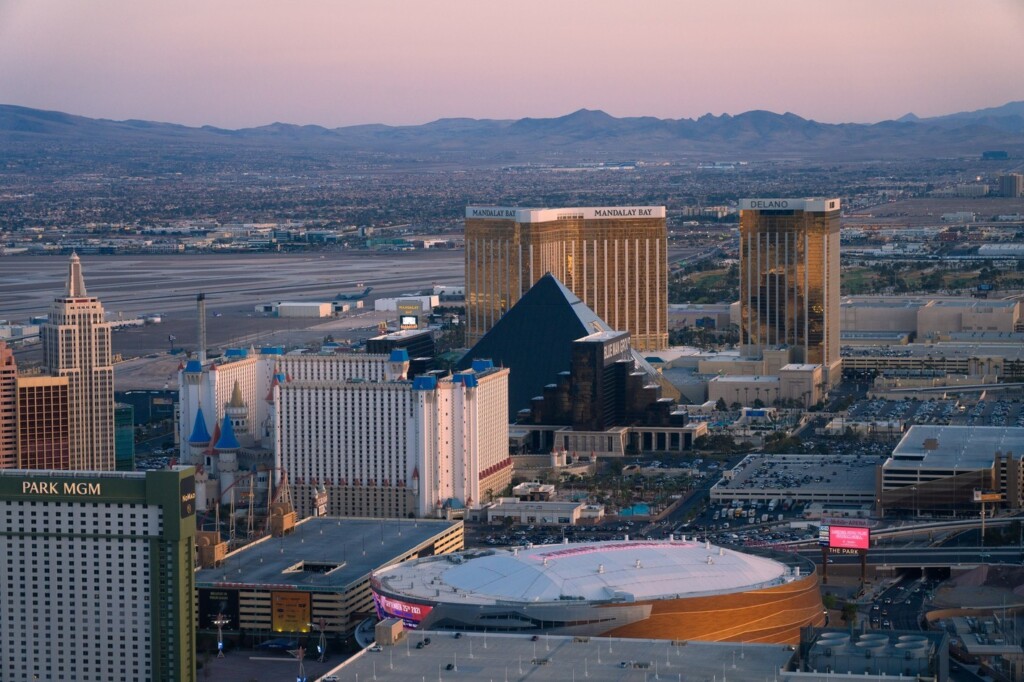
x: 227, y: 440
x: 200, y: 435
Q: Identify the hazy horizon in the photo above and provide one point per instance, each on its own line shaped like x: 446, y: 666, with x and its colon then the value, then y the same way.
x: 236, y: 64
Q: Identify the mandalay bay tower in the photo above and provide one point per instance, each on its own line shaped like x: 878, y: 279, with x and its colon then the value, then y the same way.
x: 614, y: 258
x: 789, y: 279
x: 76, y: 345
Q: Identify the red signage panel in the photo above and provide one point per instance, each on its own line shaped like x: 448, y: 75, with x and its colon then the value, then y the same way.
x: 847, y: 537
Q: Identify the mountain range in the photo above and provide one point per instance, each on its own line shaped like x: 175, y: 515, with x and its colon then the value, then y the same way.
x: 584, y: 135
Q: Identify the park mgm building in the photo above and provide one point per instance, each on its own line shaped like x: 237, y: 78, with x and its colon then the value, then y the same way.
x: 96, y: 575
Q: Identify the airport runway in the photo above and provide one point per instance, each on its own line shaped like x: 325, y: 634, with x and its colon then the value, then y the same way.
x: 234, y: 283
x: 130, y: 286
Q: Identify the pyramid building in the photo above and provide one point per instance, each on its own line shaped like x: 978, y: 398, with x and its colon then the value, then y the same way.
x: 534, y: 340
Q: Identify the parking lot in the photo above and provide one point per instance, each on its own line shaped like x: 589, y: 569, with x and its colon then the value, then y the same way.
x: 1002, y: 411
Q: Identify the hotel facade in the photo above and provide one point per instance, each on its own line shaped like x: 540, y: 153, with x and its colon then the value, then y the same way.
x: 350, y: 426
x: 789, y: 280
x: 96, y: 570
x: 613, y: 258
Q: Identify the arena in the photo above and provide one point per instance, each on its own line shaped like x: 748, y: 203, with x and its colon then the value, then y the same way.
x: 672, y: 589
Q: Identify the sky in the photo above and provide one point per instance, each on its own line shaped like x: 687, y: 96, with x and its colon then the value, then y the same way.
x: 241, y: 63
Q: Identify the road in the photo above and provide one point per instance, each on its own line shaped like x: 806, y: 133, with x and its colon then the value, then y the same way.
x: 927, y: 557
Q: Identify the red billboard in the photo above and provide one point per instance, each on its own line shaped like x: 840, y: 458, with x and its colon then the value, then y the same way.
x: 411, y: 614
x: 848, y: 537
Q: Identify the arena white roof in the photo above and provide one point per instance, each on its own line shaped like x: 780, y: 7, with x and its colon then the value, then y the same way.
x: 630, y: 570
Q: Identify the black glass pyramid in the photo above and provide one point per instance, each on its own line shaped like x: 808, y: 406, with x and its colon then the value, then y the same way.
x: 534, y: 339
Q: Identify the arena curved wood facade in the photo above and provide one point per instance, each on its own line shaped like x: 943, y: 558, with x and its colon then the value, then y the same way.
x: 771, y: 615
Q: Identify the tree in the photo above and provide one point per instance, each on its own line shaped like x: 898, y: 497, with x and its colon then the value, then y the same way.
x: 720, y: 405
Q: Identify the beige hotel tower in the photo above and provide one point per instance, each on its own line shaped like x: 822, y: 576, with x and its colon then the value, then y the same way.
x: 614, y: 258
x: 76, y: 345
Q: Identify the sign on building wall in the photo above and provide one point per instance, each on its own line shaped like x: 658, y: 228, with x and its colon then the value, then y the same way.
x: 218, y: 603
x: 290, y: 611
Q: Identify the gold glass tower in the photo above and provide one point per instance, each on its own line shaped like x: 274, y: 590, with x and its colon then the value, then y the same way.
x: 789, y: 279
x: 76, y: 345
x: 614, y: 258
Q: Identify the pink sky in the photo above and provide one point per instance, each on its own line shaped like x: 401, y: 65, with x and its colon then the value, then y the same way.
x: 236, y: 63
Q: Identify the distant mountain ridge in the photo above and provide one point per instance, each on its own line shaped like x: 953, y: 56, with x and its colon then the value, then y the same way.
x: 582, y: 135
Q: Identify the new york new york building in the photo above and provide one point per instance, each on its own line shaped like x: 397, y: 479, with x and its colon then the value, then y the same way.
x: 613, y: 258
x: 76, y: 345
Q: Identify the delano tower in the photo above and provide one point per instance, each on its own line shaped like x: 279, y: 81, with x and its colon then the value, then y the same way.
x: 613, y: 258
x: 789, y: 279
x: 76, y: 345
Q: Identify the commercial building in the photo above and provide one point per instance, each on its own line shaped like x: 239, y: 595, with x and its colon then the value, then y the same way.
x: 321, y: 570
x: 703, y: 315
x: 76, y: 345
x: 97, y: 575
x: 830, y: 480
x: 124, y: 436
x: 881, y: 654
x: 672, y: 589
x: 8, y: 408
x: 418, y: 343
x: 937, y: 469
x: 1011, y: 185
x: 545, y: 513
x: 613, y: 258
x: 304, y: 309
x: 44, y: 423
x: 411, y: 305
x: 984, y: 361
x: 789, y: 279
x: 553, y: 658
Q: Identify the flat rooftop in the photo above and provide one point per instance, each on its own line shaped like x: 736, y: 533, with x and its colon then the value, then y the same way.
x: 799, y: 476
x: 746, y: 379
x: 954, y: 447
x: 475, y: 656
x: 304, y: 558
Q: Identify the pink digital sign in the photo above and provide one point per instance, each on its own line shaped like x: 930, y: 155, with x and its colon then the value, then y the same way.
x: 847, y: 537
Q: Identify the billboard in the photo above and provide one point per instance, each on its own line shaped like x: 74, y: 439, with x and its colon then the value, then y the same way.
x: 411, y: 614
x: 218, y: 602
x: 290, y: 611
x: 848, y: 537
x: 408, y: 322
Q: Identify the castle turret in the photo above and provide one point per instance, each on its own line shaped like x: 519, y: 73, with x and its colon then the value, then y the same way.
x: 227, y: 447
x: 398, y: 364
x: 238, y: 411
